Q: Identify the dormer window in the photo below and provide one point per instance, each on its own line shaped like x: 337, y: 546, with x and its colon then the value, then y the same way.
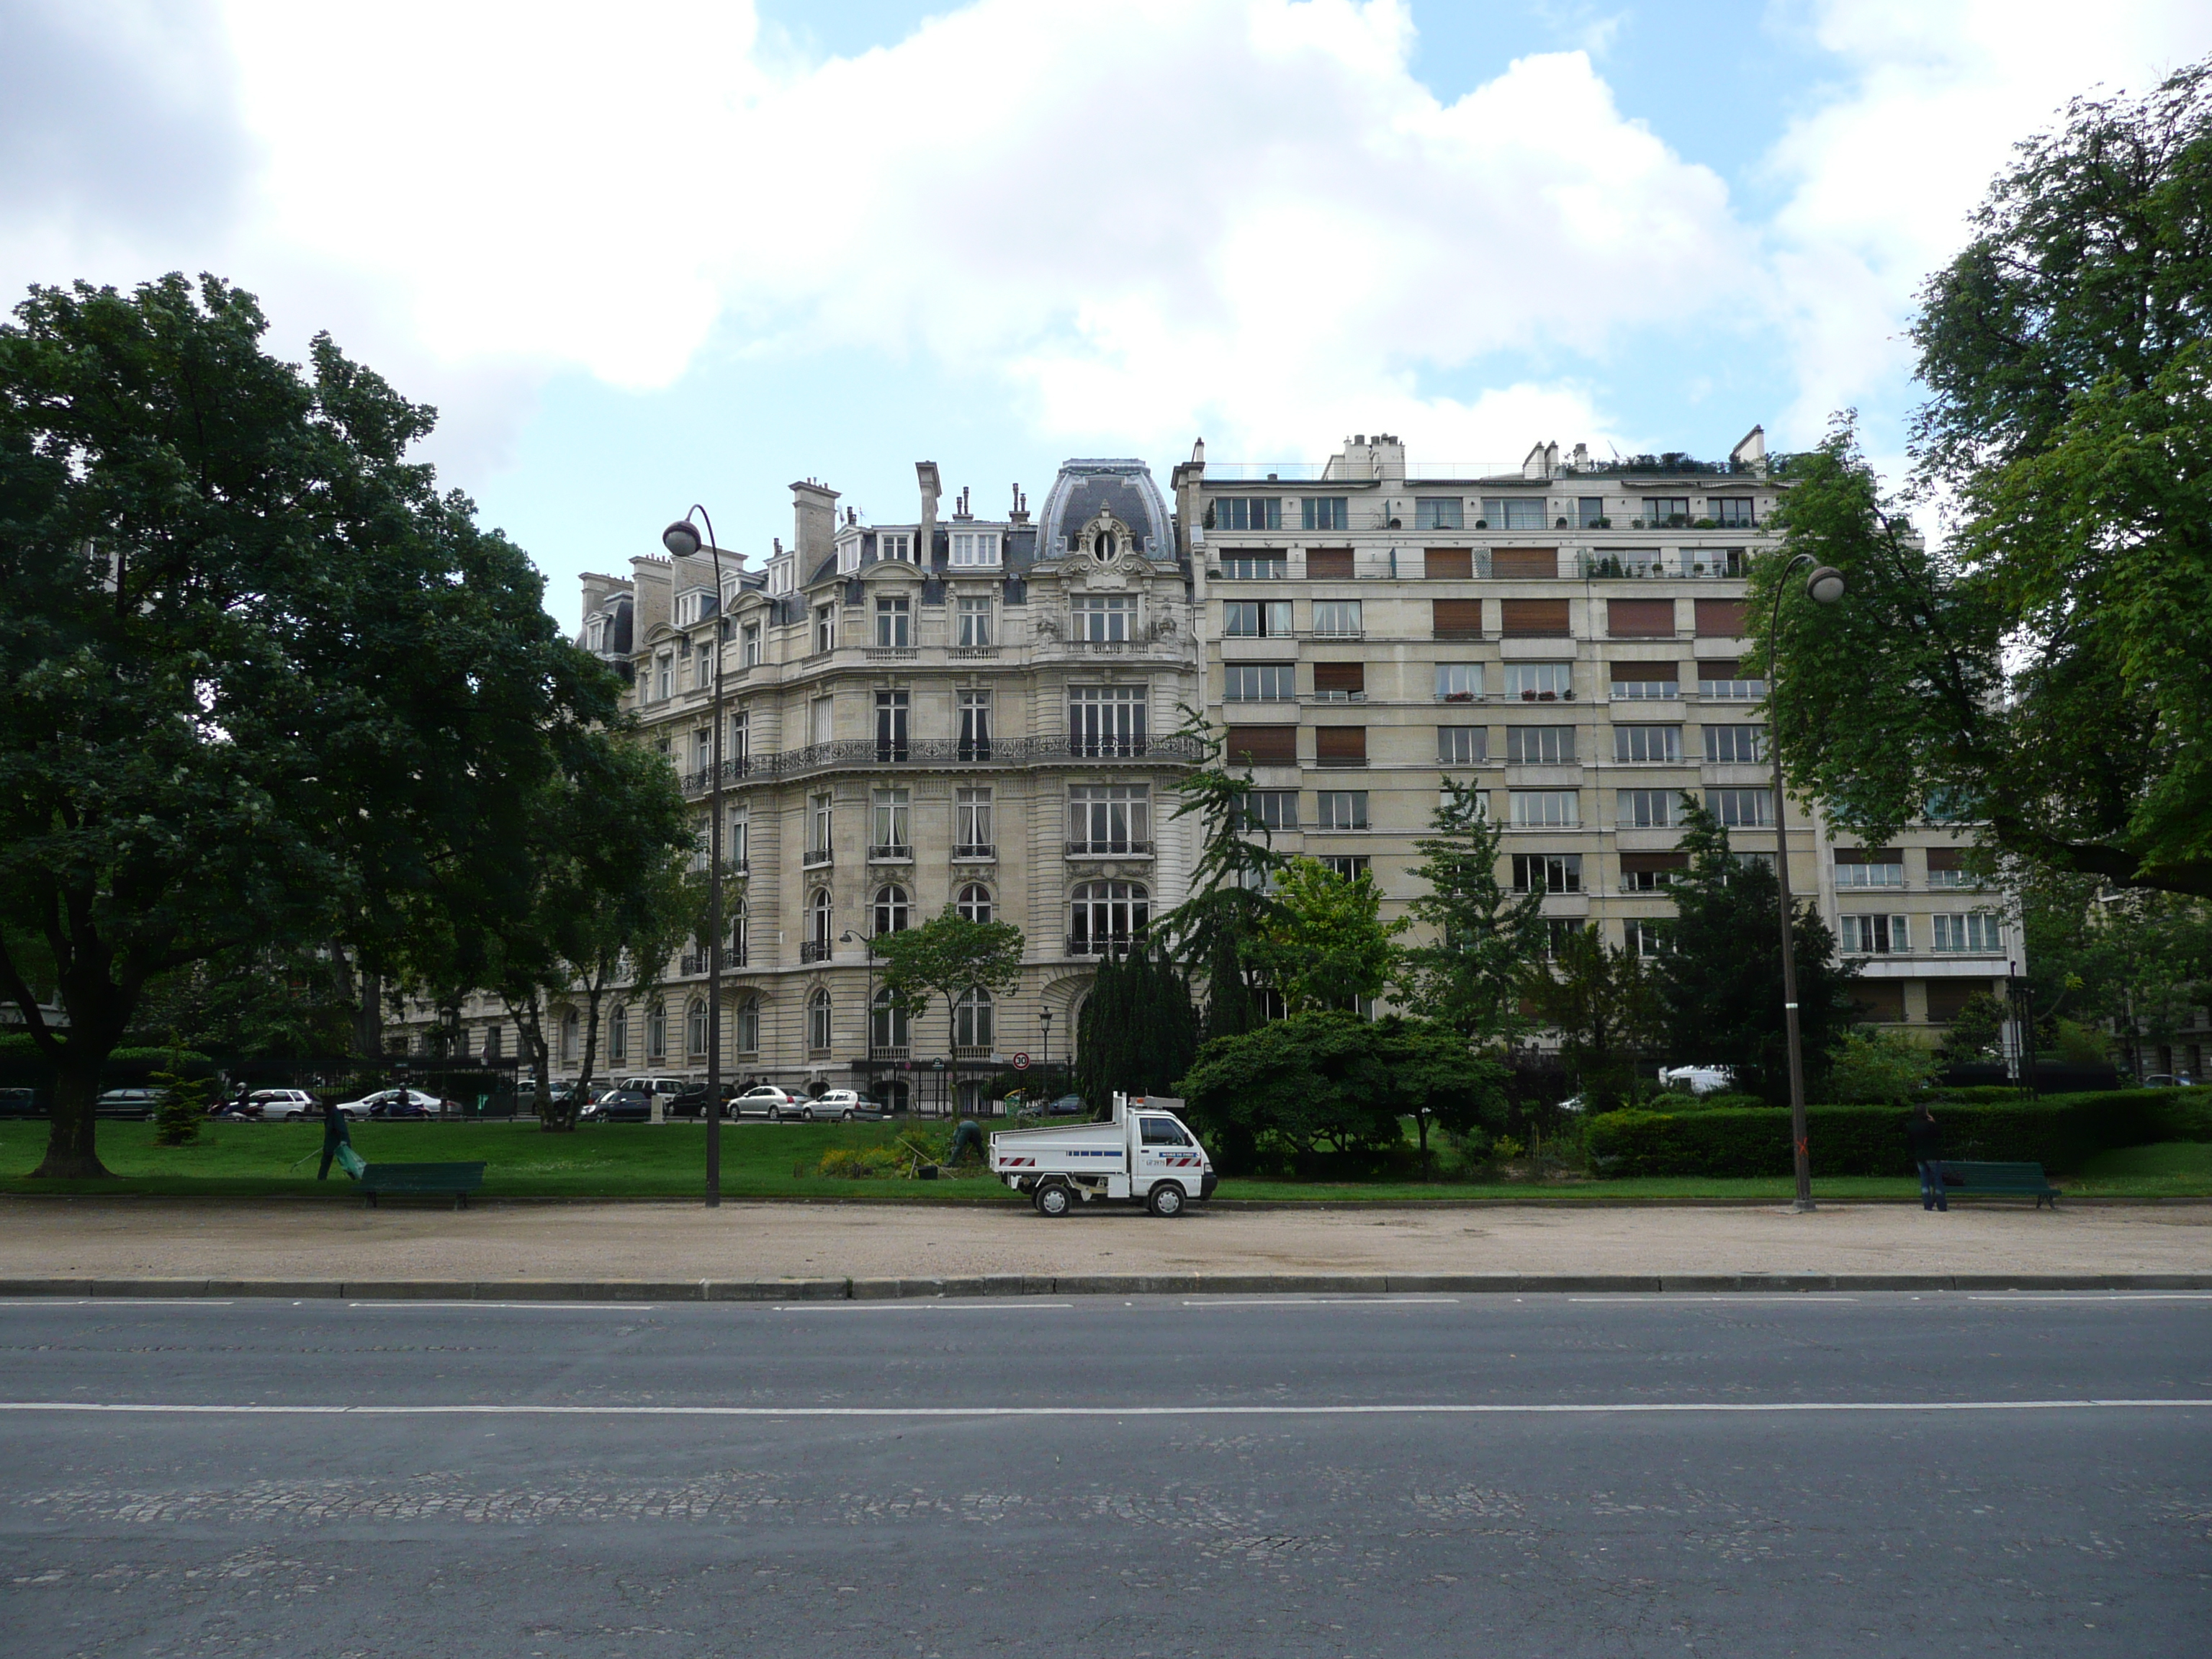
x: 595, y: 633
x: 694, y: 607
x: 1105, y: 546
x: 848, y: 556
x: 899, y: 547
x: 972, y: 548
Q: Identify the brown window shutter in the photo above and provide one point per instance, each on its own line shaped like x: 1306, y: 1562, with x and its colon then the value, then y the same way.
x: 1340, y: 676
x: 1524, y: 561
x: 1458, y: 619
x: 1881, y: 999
x: 1870, y: 855
x: 1263, y: 746
x: 1341, y: 745
x: 1844, y: 855
x: 1640, y: 619
x: 1439, y: 562
x: 1940, y: 858
x: 1720, y: 619
x: 1635, y: 863
x: 1719, y: 668
x: 1328, y: 563
x: 1534, y: 618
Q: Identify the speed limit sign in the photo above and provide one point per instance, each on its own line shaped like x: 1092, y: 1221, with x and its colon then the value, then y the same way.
x: 1021, y: 1062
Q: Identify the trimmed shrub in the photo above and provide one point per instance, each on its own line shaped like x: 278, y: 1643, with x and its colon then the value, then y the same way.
x: 2061, y: 1133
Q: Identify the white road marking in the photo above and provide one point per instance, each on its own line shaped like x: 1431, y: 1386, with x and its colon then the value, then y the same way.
x: 2093, y: 1295
x: 1620, y: 1409
x: 1326, y: 1302
x: 116, y: 1302
x: 556, y: 1307
x: 917, y: 1306
x: 1664, y: 1298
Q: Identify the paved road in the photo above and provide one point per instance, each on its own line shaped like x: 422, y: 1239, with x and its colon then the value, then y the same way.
x: 1545, y: 1476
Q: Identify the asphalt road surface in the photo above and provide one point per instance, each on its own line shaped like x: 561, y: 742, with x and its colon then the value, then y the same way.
x: 1545, y: 1476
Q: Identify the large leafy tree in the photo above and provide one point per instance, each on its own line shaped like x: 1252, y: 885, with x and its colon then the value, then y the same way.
x: 2048, y: 674
x: 947, y: 956
x: 2135, y: 960
x: 1231, y: 903
x: 1326, y: 945
x: 260, y: 683
x: 1604, y: 1003
x: 1469, y: 973
x: 1719, y: 986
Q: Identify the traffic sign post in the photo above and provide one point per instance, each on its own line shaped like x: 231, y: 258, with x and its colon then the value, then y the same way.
x: 1021, y: 1062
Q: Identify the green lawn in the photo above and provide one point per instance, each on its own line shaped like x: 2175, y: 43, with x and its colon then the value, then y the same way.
x: 763, y: 1160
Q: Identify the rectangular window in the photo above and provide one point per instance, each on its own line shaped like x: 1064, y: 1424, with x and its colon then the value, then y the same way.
x: 702, y: 751
x: 1947, y: 867
x: 1644, y: 937
x: 1463, y: 745
x: 1459, y: 682
x: 1256, y: 619
x: 1323, y: 513
x: 825, y: 629
x: 1442, y: 512
x: 1639, y: 619
x: 1346, y: 866
x: 1651, y: 873
x: 1720, y: 619
x: 1106, y: 720
x: 1336, y: 619
x: 1735, y: 745
x: 1721, y: 678
x: 1341, y: 809
x: 1863, y: 867
x: 1525, y: 563
x: 1731, y: 512
x: 734, y: 850
x: 1589, y: 513
x: 899, y: 548
x: 974, y: 712
x: 1108, y: 817
x: 818, y: 713
x: 1254, y: 567
x: 1540, y: 745
x: 1544, y: 809
x: 1340, y: 682
x: 892, y: 713
x: 1667, y: 510
x: 1271, y: 809
x: 1559, y: 931
x: 1261, y: 745
x: 1103, y: 618
x: 1976, y: 931
x: 974, y: 547
x: 971, y: 824
x: 1513, y: 512
x: 1646, y: 682
x: 751, y: 652
x: 975, y: 624
x: 1258, y: 682
x: 1533, y: 618
x: 1248, y: 512
x: 890, y: 838
x: 665, y: 678
x: 1741, y: 807
x: 1455, y: 619
x: 1446, y: 563
x: 1541, y: 682
x: 1875, y: 936
x: 1330, y: 564
x: 1649, y: 809
x: 817, y: 825
x: 1646, y: 743
x: 1341, y: 745
x: 1547, y: 872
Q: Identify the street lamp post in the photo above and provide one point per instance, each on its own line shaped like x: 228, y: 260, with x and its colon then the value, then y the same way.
x: 1044, y: 1018
x: 848, y: 937
x: 1824, y: 586
x: 682, y: 539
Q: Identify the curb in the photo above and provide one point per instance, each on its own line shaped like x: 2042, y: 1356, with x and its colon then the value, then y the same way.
x: 1017, y: 1284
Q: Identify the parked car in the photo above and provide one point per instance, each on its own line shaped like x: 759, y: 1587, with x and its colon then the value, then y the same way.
x: 620, y: 1106
x: 666, y: 1089
x: 21, y: 1102
x: 1699, y: 1079
x: 275, y: 1105
x: 2166, y: 1080
x: 842, y: 1105
x: 1066, y: 1106
x: 366, y: 1105
x: 128, y: 1102
x: 692, y: 1102
x: 766, y: 1101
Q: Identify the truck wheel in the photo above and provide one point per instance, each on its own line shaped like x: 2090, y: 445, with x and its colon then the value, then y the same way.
x: 1166, y: 1199
x: 1054, y: 1200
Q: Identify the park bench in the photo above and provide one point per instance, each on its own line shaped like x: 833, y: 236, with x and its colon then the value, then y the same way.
x: 1999, y: 1180
x: 376, y: 1179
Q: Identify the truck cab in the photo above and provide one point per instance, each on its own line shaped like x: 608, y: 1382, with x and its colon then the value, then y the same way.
x: 1143, y: 1154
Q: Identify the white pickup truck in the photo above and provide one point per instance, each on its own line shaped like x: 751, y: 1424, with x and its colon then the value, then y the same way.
x: 1143, y: 1154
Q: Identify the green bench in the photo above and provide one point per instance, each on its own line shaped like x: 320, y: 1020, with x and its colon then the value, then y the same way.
x: 376, y: 1179
x: 1998, y: 1181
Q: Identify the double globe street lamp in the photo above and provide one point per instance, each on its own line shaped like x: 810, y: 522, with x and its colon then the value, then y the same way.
x: 1825, y: 586
x: 682, y: 540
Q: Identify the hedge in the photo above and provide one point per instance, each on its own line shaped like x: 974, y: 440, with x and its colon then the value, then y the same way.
x: 2061, y: 1133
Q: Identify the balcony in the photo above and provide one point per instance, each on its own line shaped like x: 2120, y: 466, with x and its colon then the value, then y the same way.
x: 866, y: 754
x: 1100, y: 944
x: 1119, y: 848
x: 1690, y: 563
x: 695, y: 961
x: 890, y: 1051
x: 891, y: 654
x: 974, y: 850
x: 972, y: 1051
x: 891, y: 852
x: 814, y: 951
x: 1732, y: 690
x: 817, y: 858
x: 1650, y: 881
x: 973, y: 653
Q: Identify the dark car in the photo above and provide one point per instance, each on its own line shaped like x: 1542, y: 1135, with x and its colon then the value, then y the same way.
x: 620, y: 1106
x: 128, y: 1102
x: 1066, y: 1106
x: 21, y: 1102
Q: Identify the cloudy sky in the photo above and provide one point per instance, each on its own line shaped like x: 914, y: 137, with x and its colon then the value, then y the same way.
x: 643, y: 254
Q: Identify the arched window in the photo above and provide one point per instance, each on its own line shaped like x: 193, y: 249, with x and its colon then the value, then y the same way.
x: 1101, y: 546
x: 817, y: 1022
x: 972, y: 1021
x: 1106, y: 915
x: 572, y: 1025
x: 695, y: 1030
x: 656, y: 1032
x: 887, y: 1032
x: 975, y: 902
x: 891, y: 909
x: 618, y: 1036
x: 748, y: 1024
x: 818, y: 923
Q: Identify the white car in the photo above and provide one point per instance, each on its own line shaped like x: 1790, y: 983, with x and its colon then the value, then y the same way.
x: 1702, y: 1079
x: 766, y: 1101
x: 274, y: 1105
x: 388, y: 1099
x: 842, y: 1105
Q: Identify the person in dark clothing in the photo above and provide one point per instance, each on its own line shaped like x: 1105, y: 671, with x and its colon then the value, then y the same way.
x: 335, y: 1134
x: 1926, y: 1143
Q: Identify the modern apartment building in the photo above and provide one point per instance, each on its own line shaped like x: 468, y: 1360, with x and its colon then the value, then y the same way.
x: 976, y: 712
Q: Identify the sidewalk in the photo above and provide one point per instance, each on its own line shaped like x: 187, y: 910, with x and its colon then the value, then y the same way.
x: 114, y: 1239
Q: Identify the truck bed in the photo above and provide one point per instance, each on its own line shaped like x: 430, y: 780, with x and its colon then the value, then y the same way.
x: 1067, y: 1148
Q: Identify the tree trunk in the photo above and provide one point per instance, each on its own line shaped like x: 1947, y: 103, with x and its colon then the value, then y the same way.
x: 71, y: 1153
x: 368, y: 1017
